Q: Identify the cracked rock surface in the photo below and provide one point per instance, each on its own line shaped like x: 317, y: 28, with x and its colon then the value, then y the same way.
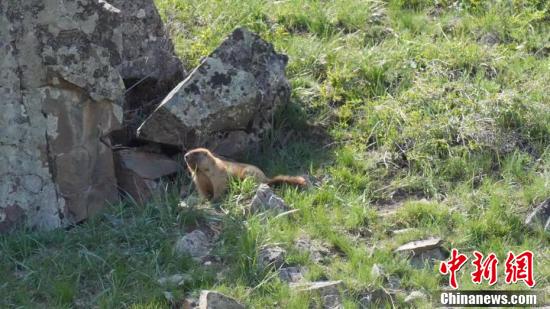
x: 234, y: 89
x: 61, y: 93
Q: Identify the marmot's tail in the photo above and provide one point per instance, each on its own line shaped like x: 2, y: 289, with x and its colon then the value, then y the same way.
x: 293, y: 180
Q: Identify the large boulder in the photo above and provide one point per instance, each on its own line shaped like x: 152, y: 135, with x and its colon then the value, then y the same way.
x: 234, y: 89
x: 61, y: 92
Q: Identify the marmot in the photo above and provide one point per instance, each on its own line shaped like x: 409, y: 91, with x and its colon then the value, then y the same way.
x: 211, y: 174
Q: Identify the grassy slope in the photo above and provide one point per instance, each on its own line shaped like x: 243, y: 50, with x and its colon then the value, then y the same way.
x: 415, y: 103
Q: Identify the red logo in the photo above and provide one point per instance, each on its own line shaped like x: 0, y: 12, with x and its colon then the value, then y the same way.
x: 452, y: 266
x: 518, y: 268
x: 485, y: 269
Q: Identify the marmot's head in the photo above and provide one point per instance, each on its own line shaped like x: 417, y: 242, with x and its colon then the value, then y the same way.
x: 199, y: 159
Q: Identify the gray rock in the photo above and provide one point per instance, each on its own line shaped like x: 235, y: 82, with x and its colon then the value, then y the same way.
x: 235, y: 88
x: 422, y: 252
x: 376, y: 298
x: 540, y: 216
x: 62, y: 87
x: 419, y: 246
x: 265, y: 199
x: 272, y: 257
x: 291, y: 274
x: 196, y: 244
x: 59, y: 93
x: 318, y: 251
x: 215, y: 300
x: 415, y: 296
x: 328, y: 291
x: 137, y: 172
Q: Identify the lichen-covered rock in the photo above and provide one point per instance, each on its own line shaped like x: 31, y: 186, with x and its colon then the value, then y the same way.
x: 59, y: 94
x: 236, y: 88
x: 63, y: 69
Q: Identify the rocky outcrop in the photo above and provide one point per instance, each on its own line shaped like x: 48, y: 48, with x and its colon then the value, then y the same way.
x: 62, y: 72
x: 234, y: 89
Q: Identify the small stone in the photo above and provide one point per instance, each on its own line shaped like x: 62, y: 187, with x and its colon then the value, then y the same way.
x: 174, y: 280
x: 415, y: 296
x: 216, y: 300
x: 374, y: 299
x: 291, y: 274
x: 377, y: 271
x: 540, y: 216
x: 265, y: 200
x: 328, y: 291
x: 318, y: 251
x: 332, y: 301
x: 272, y: 256
x: 196, y: 244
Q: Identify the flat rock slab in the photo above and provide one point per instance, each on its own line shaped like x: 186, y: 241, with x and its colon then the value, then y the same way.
x: 422, y: 252
x: 235, y: 88
x: 418, y: 246
x: 216, y: 300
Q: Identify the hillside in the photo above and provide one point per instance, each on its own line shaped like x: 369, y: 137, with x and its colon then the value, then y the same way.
x: 428, y: 119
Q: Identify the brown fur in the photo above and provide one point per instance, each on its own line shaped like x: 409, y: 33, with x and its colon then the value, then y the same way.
x: 211, y: 174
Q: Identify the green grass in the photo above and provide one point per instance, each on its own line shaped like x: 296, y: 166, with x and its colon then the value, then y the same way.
x: 395, y: 104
